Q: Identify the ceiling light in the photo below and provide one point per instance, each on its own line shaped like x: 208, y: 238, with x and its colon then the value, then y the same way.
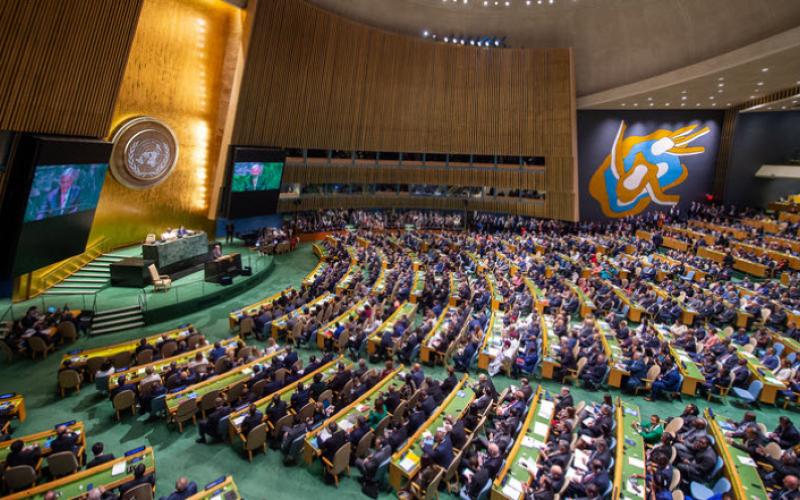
x: 635, y: 104
x: 769, y: 107
x: 527, y: 2
x: 649, y: 98
x: 651, y: 104
x: 727, y: 104
x: 721, y: 78
x: 683, y: 104
x: 683, y: 91
x: 752, y: 97
x: 666, y: 104
x: 713, y: 104
x: 697, y: 105
x: 623, y: 104
x: 446, y: 39
x: 711, y: 97
x: 764, y: 70
x: 485, y: 3
x: 760, y: 83
x: 425, y: 33
x: 719, y: 91
x: 783, y: 107
x: 508, y: 3
x: 721, y: 84
x: 794, y: 102
x: 683, y: 98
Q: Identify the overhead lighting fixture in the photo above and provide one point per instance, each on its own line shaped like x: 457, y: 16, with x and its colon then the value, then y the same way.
x: 752, y: 97
x: 683, y: 104
x: 649, y: 98
x: 425, y: 33
x: 760, y: 83
x: 666, y: 104
x: 721, y: 78
x: 711, y: 97
x: 651, y: 104
x: 636, y: 104
x: 721, y: 84
x: 764, y: 70
x: 683, y: 91
x: 683, y: 98
x: 713, y: 104
x: 719, y: 91
x: 623, y: 104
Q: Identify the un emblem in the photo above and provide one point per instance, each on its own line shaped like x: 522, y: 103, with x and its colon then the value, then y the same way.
x: 145, y: 153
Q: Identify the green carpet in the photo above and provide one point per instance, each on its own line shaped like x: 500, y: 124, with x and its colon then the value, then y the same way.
x: 178, y: 454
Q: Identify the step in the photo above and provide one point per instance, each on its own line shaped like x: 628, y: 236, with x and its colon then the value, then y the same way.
x: 77, y: 286
x: 123, y: 314
x: 117, y: 255
x: 118, y: 328
x: 103, y: 323
x: 97, y: 265
x: 69, y: 292
x: 85, y: 279
x: 100, y: 314
x: 83, y: 273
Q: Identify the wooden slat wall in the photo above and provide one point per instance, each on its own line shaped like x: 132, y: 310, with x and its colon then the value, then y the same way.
x: 317, y: 80
x: 533, y: 208
x: 61, y: 63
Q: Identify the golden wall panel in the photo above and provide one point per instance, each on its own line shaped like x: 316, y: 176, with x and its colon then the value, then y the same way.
x: 176, y: 73
x: 61, y: 63
x: 316, y: 80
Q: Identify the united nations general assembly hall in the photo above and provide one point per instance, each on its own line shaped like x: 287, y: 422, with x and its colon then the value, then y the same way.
x: 411, y: 249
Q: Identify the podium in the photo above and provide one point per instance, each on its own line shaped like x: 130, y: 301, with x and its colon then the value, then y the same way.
x: 216, y: 270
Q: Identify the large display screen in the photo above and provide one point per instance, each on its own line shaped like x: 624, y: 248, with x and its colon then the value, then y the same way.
x: 256, y: 176
x: 254, y: 181
x: 64, y: 189
x: 65, y: 178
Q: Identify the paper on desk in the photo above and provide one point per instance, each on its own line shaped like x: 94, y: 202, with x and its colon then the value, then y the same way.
x: 546, y: 409
x: 636, y: 462
x: 216, y: 497
x: 515, y: 484
x: 119, y: 468
x: 629, y: 487
x: 346, y: 425
x: 744, y: 459
x: 528, y: 442
x: 510, y: 492
x: 540, y: 429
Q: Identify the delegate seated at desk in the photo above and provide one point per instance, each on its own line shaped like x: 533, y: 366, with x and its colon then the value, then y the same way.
x: 173, y: 234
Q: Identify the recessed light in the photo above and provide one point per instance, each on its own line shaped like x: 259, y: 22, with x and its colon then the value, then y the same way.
x: 635, y: 104
x: 713, y: 104
x: 683, y: 91
x: 666, y: 104
x: 794, y: 102
x: 711, y: 97
x: 683, y: 98
x: 719, y: 91
x: 783, y: 107
x: 721, y: 84
x: 649, y: 98
x: 623, y: 104
x: 425, y: 33
x: 651, y: 104
x: 508, y: 3
x: 721, y: 78
x: 769, y: 107
x: 752, y: 97
x: 727, y: 104
x: 697, y: 105
x: 764, y: 70
x: 683, y: 104
x: 760, y: 83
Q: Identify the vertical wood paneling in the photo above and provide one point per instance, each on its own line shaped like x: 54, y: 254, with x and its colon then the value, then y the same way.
x: 61, y: 63
x: 317, y: 80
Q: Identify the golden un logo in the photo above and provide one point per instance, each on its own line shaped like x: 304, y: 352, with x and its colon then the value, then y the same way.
x: 640, y: 170
x: 145, y: 152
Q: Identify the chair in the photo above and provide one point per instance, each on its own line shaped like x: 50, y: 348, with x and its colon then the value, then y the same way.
x: 94, y: 364
x: 676, y: 479
x: 62, y: 464
x: 340, y: 464
x: 749, y: 396
x: 326, y: 395
x: 305, y: 412
x: 381, y: 427
x: 364, y: 444
x: 280, y: 375
x: 123, y: 401
x: 674, y: 425
x: 160, y: 281
x: 221, y: 364
x: 186, y: 411
x: 247, y: 326
x: 700, y: 492
x: 168, y: 348
x: 8, y: 353
x: 39, y: 347
x: 285, y: 421
x: 652, y: 375
x: 399, y: 413
x: 121, y: 360
x: 778, y: 348
x: 256, y: 438
x: 431, y: 491
x: 69, y: 379
x: 451, y: 474
x: 677, y: 495
x: 139, y: 492
x: 235, y: 392
x: 144, y: 357
x: 208, y: 402
x: 773, y: 450
x: 722, y: 392
x: 573, y: 373
x: 101, y: 384
x: 19, y: 477
x: 68, y: 331
x: 290, y: 455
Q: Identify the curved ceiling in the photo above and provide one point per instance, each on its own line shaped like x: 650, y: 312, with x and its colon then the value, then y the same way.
x: 615, y: 42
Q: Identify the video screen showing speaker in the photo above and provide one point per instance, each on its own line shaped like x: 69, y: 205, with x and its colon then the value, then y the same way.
x: 66, y: 178
x: 255, y: 181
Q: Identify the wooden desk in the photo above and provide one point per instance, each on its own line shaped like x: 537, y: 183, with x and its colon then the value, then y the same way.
x: 76, y: 485
x: 692, y: 375
x: 16, y: 403
x: 405, y: 462
x: 253, y: 309
x: 222, y: 488
x: 323, y: 334
x: 406, y: 309
x: 279, y: 323
x: 550, y: 347
x: 613, y: 353
x: 417, y: 286
x: 492, y: 341
x: 43, y: 439
x: 630, y: 456
x: 745, y: 481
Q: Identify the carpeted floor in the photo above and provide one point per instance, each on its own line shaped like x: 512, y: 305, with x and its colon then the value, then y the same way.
x: 177, y: 454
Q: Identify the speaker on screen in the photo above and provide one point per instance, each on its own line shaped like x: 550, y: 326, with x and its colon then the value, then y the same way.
x: 64, y: 179
x: 253, y: 181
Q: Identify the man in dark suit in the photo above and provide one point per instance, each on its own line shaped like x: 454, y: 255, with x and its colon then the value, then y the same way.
x: 122, y: 385
x: 398, y: 436
x: 668, y: 381
x: 183, y: 489
x: 64, y: 199
x: 449, y: 383
x: 698, y: 467
x: 276, y: 409
x: 458, y: 435
x: 99, y: 456
x: 440, y: 451
x: 416, y: 418
x: 65, y: 440
x: 428, y: 403
x: 564, y: 400
x: 139, y: 477
x: 597, y: 476
x: 210, y: 426
x: 300, y: 397
x: 594, y: 372
x: 336, y: 440
x: 290, y: 358
x: 252, y: 420
x: 340, y: 379
x: 358, y: 431
x: 369, y: 465
x: 23, y: 455
x: 785, y: 434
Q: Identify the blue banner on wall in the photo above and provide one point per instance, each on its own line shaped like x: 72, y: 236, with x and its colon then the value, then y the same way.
x: 631, y: 162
